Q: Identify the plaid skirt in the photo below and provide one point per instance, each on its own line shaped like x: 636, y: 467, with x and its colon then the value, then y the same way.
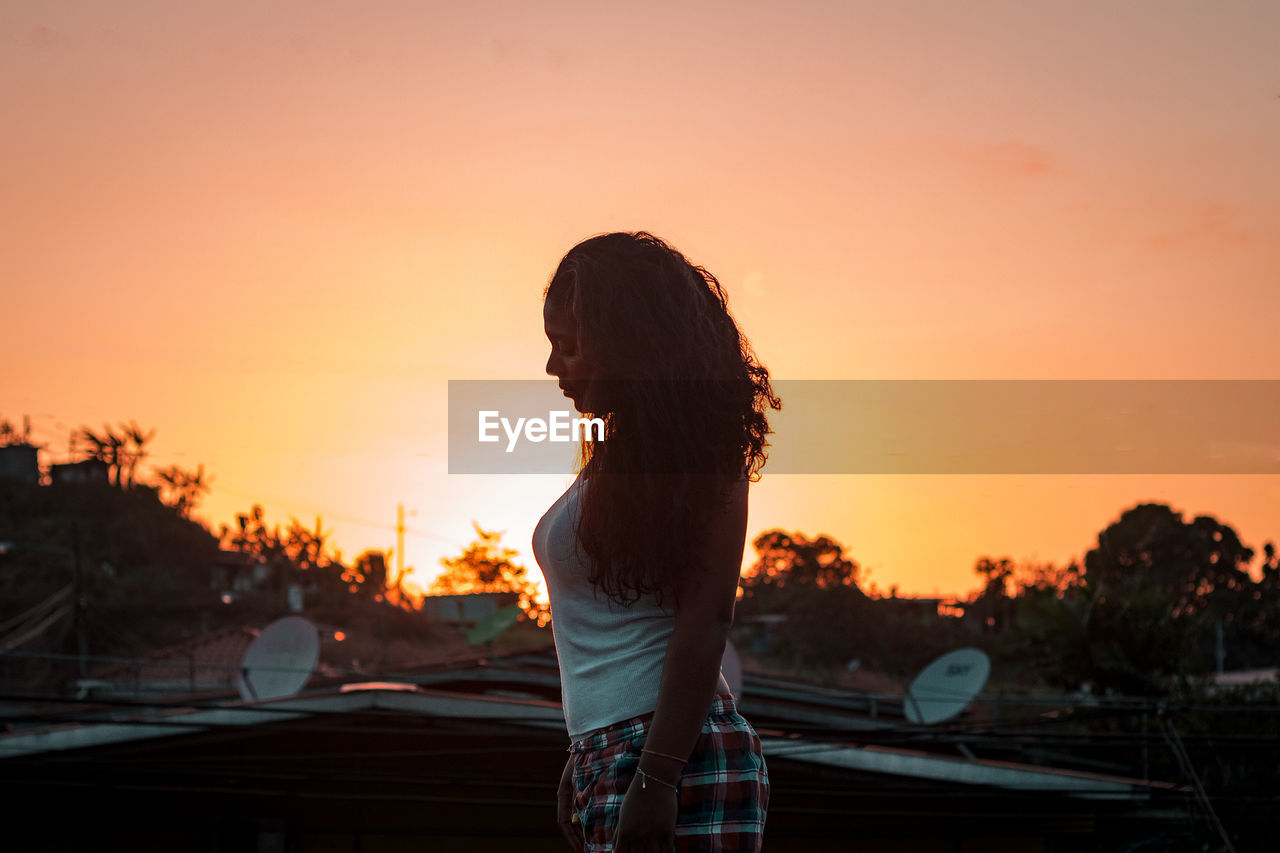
x: 723, y: 790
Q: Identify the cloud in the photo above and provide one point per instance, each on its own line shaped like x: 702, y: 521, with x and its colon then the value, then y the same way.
x: 1017, y: 159
x: 1214, y: 223
x: 516, y: 50
x: 1007, y: 162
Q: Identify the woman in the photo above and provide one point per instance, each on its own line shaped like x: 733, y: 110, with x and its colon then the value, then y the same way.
x: 642, y: 553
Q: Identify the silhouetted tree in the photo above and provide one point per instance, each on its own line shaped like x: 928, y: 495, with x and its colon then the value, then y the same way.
x: 828, y: 620
x: 486, y: 566
x: 1251, y: 635
x: 252, y: 536
x: 181, y: 489
x: 309, y: 549
x: 1048, y: 578
x: 1154, y: 597
x: 122, y: 451
x: 106, y: 448
x: 305, y: 556
x: 134, y: 450
x: 993, y: 607
x: 1199, y: 567
x: 10, y: 434
x: 787, y: 558
x: 367, y: 576
x: 287, y: 554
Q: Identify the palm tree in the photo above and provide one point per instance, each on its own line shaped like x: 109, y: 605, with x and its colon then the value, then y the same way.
x: 105, y: 447
x: 131, y: 459
x: 182, y: 489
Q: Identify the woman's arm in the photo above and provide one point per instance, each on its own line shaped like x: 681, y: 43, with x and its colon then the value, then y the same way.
x: 691, y: 669
x: 690, y: 674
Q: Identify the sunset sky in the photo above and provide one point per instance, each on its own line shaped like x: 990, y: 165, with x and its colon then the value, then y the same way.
x: 273, y: 231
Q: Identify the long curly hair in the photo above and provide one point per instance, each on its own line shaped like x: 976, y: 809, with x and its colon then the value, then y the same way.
x: 684, y: 397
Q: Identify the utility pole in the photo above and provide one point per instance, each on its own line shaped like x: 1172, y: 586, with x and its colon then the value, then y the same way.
x: 399, y: 542
x: 1219, y: 649
x: 82, y: 640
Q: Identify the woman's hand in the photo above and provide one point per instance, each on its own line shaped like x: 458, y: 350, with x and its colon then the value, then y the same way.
x: 647, y: 821
x: 565, y: 813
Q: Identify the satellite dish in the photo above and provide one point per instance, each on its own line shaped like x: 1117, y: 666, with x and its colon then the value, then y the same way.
x: 945, y: 687
x: 731, y: 668
x: 494, y: 624
x: 279, y: 660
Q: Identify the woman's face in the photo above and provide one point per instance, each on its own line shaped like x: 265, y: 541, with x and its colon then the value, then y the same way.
x: 567, y: 362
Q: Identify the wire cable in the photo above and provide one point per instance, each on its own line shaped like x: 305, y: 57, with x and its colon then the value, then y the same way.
x: 1184, y: 761
x: 32, y: 612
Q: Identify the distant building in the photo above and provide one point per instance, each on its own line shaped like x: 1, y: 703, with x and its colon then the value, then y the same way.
x: 20, y: 462
x: 236, y: 573
x: 922, y: 608
x: 760, y: 632
x: 84, y: 471
x: 1238, y: 677
x: 208, y: 662
x: 468, y: 608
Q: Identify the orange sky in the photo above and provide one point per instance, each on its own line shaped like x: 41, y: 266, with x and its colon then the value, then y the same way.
x: 273, y: 231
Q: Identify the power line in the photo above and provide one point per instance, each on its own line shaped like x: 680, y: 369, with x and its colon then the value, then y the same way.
x: 280, y: 503
x: 283, y: 503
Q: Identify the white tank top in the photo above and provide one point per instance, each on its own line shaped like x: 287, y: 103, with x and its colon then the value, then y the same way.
x: 610, y: 656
